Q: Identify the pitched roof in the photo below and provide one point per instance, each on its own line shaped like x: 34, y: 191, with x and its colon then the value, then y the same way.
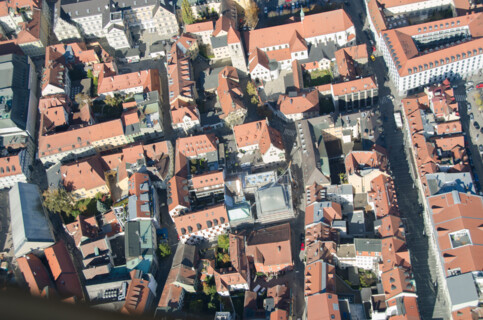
x: 196, y: 145
x: 357, y: 85
x: 357, y: 160
x: 345, y: 59
x: 83, y: 227
x: 222, y: 24
x: 312, y: 25
x: 406, y: 308
x: 62, y: 267
x: 258, y: 133
x: 147, y: 79
x: 79, y: 138
x: 383, y: 196
x: 10, y: 166
x: 207, y: 218
x: 319, y: 278
x: 178, y: 193
x: 35, y: 273
x: 199, y: 27
x: 229, y: 91
x: 391, y: 225
x: 323, y: 306
x: 410, y: 60
x: 137, y: 297
x: 325, y: 212
x: 457, y: 223
x: 303, y: 101
x: 271, y: 246
x: 397, y: 281
x: 207, y: 180
x: 171, y: 297
x: 258, y: 57
x: 86, y: 174
x: 180, y: 80
x: 395, y: 254
x: 181, y: 109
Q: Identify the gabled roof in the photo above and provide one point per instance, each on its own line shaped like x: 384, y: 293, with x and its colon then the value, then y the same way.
x: 391, y: 225
x: 323, y: 306
x: 178, y: 193
x: 86, y: 174
x: 229, y: 91
x: 82, y: 228
x: 199, y: 27
x: 196, y: 145
x: 383, y: 195
x: 258, y: 57
x: 357, y: 160
x: 457, y: 223
x: 63, y: 271
x: 311, y: 26
x: 257, y: 133
x: 270, y: 246
x: 303, y: 101
x: 325, y: 212
x: 207, y: 218
x: 207, y: 180
x: 35, y: 274
x: 147, y: 79
x: 10, y: 166
x: 223, y: 24
x: 137, y: 297
x: 319, y: 278
x: 397, y: 281
x: 394, y: 254
x: 181, y: 109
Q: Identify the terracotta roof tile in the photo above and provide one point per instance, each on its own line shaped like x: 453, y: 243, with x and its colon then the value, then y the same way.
x: 147, y: 79
x: 190, y: 223
x: 383, y: 196
x: 323, y: 306
x: 207, y: 179
x: 35, y: 273
x: 229, y: 91
x: 357, y: 85
x: 10, y: 166
x: 397, y: 281
x: 304, y: 101
x: 65, y: 275
x: 319, y: 278
x: 257, y: 133
x: 199, y: 27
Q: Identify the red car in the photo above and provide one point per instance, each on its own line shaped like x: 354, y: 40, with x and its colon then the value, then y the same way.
x: 302, y: 247
x: 373, y: 49
x: 479, y: 85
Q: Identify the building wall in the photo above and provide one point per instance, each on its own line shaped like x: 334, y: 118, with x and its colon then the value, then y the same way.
x: 459, y: 68
x: 273, y: 268
x: 367, y: 262
x: 10, y: 181
x: 66, y: 31
x: 90, y: 26
x: 118, y: 39
x: 221, y: 52
x: 68, y: 155
x: 166, y: 23
x: 86, y: 194
x: 273, y: 154
x: 420, y: 7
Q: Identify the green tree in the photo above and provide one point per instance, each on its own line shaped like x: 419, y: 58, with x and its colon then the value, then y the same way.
x: 164, y: 249
x: 89, y: 74
x: 58, y: 201
x: 251, y: 90
x: 101, y: 206
x: 211, y: 306
x: 224, y: 242
x: 186, y: 12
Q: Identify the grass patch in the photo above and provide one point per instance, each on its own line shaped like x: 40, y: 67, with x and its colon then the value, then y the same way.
x: 318, y: 77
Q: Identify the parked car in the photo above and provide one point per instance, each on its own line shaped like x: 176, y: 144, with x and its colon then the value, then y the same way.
x: 302, y: 247
x: 479, y: 85
x: 481, y: 130
x: 472, y: 117
x: 470, y: 83
x: 302, y: 237
x: 265, y: 10
x: 480, y: 148
x: 476, y: 125
x: 469, y: 106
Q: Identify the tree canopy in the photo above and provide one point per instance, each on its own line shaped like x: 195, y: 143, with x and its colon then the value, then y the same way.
x: 186, y: 12
x: 58, y: 201
x: 223, y: 242
x: 164, y: 249
x: 251, y: 14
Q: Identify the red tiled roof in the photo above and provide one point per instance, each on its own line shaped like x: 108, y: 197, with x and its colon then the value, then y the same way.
x: 147, y: 79
x: 410, y: 310
x: 457, y: 222
x: 314, y: 278
x: 312, y: 26
x: 345, y: 58
x: 83, y: 227
x: 383, y: 194
x: 78, y: 138
x: 86, y: 174
x: 10, y: 166
x: 229, y: 92
x: 207, y: 179
x: 279, y: 314
x: 396, y: 281
x: 199, y: 27
x: 257, y: 133
x: 35, y: 273
x: 366, y: 159
x: 409, y: 56
x: 357, y: 85
x: 196, y: 145
x: 323, y: 306
x: 395, y: 254
x: 65, y: 275
x: 391, y: 225
x: 171, y: 297
x: 201, y: 220
x: 222, y: 24
x: 304, y: 101
x: 137, y: 297
x: 331, y: 213
x: 271, y: 246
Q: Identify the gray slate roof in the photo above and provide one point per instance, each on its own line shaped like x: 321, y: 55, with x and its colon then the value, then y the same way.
x: 219, y: 42
x: 462, y: 289
x: 443, y: 182
x: 28, y: 219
